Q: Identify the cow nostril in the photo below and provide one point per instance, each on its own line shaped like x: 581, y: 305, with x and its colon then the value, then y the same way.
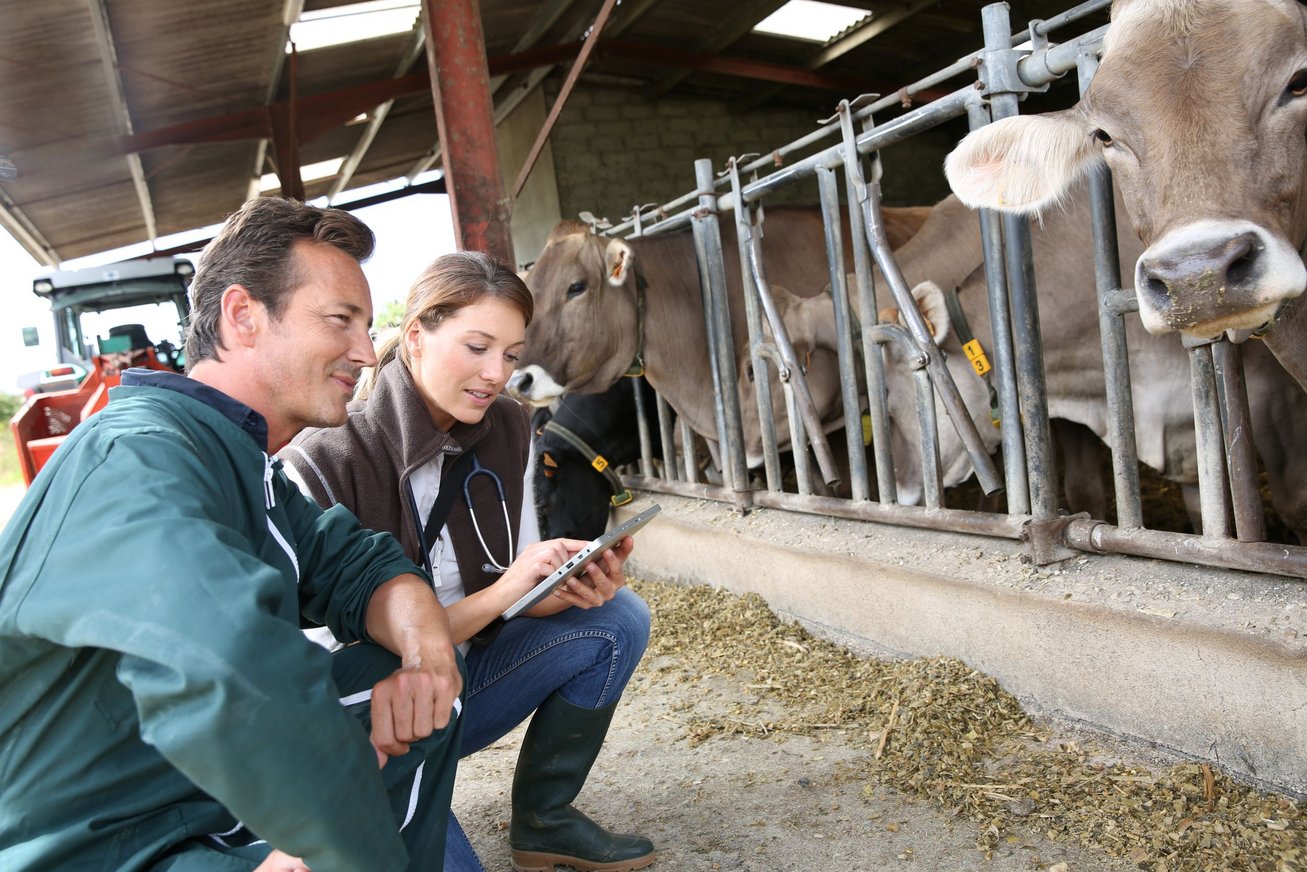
x: 1155, y: 287
x: 1243, y: 267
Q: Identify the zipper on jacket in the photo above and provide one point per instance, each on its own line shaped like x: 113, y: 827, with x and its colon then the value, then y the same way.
x: 269, y: 498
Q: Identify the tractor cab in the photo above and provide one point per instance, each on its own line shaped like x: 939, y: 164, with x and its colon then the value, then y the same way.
x: 106, y: 319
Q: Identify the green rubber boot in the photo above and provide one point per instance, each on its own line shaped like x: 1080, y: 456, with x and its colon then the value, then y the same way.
x: 559, y: 748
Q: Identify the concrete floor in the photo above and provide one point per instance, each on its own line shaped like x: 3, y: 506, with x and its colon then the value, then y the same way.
x: 1208, y: 663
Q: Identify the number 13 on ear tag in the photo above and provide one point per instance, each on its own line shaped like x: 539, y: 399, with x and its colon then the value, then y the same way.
x: 976, y: 354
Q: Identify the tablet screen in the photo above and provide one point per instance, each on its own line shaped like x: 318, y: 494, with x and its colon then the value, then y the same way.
x: 579, y: 561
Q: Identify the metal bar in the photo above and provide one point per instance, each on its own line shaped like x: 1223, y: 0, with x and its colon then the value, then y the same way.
x: 744, y: 233
x: 828, y: 191
x: 1011, y: 433
x: 687, y: 448
x: 379, y: 115
x: 642, y: 427
x: 1111, y: 328
x: 1237, y: 427
x: 792, y: 372
x: 666, y: 433
x: 946, y: 520
x: 570, y: 82
x: 713, y: 269
x: 798, y: 433
x: 916, y: 360
x: 1100, y: 538
x: 456, y: 58
x: 939, y: 372
x: 108, y: 50
x: 1210, y: 445
x: 1025, y: 305
x: 872, y: 361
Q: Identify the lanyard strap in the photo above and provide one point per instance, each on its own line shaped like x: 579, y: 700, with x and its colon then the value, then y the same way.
x: 451, y: 481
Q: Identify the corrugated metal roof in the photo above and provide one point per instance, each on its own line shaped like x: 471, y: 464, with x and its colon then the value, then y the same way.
x: 214, y: 67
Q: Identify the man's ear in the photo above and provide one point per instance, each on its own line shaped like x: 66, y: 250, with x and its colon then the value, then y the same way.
x: 242, y: 315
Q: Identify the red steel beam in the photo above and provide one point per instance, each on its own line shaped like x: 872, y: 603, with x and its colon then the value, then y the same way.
x: 465, y: 122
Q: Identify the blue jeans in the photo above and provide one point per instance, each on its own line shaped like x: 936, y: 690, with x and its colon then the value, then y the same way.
x: 587, y: 655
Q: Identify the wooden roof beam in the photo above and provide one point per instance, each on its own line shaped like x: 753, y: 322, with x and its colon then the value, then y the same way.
x: 104, y: 44
x: 21, y: 228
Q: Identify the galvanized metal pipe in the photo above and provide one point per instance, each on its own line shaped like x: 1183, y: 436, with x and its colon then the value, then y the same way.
x: 793, y: 373
x: 1011, y: 433
x: 1207, y: 433
x: 669, y: 441
x: 642, y: 426
x: 1111, y: 328
x: 939, y: 371
x: 1025, y: 305
x: 687, y: 449
x: 722, y: 345
x: 872, y: 361
x: 798, y: 434
x: 744, y: 232
x: 1097, y: 537
x: 1237, y: 427
x: 916, y: 360
x: 947, y: 520
x: 829, y: 197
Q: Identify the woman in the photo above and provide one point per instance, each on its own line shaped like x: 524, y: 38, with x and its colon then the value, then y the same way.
x: 433, y: 410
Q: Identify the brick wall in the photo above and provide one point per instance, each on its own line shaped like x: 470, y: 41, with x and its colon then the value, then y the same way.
x: 613, y: 149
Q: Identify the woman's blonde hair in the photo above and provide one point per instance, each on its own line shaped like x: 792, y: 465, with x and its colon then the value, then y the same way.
x: 451, y: 282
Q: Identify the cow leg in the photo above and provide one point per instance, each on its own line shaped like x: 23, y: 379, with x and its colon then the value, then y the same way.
x: 1078, y: 453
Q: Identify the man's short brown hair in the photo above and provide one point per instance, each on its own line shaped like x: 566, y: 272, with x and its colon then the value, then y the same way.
x: 254, y: 249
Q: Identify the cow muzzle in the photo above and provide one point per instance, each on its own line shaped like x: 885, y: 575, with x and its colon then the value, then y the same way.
x: 534, y: 385
x: 1211, y: 276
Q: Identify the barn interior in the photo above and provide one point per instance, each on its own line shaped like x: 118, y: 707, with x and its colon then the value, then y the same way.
x: 125, y: 122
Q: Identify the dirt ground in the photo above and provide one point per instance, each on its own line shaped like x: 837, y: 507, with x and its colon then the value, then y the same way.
x: 736, y: 802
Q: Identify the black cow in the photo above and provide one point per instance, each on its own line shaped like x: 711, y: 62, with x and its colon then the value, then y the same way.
x: 574, y: 499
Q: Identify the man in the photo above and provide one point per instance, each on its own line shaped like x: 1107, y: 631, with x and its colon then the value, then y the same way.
x: 159, y: 705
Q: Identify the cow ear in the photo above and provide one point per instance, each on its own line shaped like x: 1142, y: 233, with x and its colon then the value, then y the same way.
x: 931, y: 304
x: 618, y: 261
x: 1021, y: 164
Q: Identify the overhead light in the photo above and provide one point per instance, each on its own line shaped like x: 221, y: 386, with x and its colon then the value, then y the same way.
x: 811, y: 20
x: 323, y: 169
x: 340, y: 25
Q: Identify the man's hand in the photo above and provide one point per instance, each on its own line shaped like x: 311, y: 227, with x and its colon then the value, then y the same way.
x: 413, y: 702
x: 418, y: 698
x: 280, y: 861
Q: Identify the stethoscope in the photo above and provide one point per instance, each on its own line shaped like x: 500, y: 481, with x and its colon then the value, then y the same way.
x: 493, y: 565
x: 477, y: 469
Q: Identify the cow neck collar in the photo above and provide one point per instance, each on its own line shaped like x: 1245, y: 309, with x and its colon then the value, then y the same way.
x: 621, y: 496
x: 972, y: 348
x: 636, y: 369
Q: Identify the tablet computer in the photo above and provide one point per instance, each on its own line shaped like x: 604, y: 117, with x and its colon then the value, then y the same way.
x: 580, y: 560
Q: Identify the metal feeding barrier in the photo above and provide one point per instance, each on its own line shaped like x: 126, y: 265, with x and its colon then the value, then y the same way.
x: 1234, y: 530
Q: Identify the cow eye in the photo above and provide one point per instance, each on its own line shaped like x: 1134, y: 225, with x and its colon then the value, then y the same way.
x: 1298, y: 84
x: 1103, y: 137
x: 576, y: 289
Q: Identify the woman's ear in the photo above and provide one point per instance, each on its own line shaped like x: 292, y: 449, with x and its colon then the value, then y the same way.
x: 413, y: 339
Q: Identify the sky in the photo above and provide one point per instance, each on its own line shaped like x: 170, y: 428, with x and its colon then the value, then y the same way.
x: 411, y: 232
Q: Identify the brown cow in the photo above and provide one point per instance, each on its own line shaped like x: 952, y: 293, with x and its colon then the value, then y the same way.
x: 584, y: 334
x: 1199, y: 108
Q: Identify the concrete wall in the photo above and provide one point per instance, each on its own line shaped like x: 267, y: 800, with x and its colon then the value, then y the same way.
x: 536, y: 212
x: 1209, y: 663
x: 613, y: 149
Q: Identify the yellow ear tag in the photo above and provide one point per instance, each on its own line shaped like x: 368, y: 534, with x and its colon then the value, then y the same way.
x: 866, y: 429
x: 976, y: 354
x: 599, y: 463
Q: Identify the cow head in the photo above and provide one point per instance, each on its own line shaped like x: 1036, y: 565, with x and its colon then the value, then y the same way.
x: 584, y: 333
x: 1199, y: 107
